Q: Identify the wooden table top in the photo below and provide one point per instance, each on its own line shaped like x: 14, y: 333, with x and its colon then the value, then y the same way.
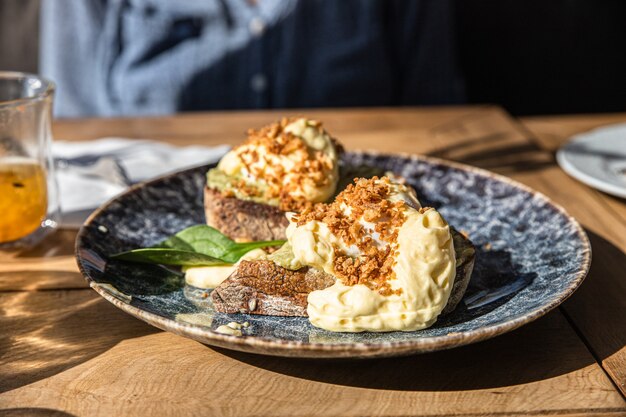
x: 66, y: 351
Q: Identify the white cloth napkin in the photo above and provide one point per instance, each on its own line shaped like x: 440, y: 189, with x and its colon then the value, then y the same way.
x: 91, y: 172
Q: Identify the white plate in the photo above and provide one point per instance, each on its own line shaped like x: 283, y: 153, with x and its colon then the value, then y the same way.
x: 598, y: 159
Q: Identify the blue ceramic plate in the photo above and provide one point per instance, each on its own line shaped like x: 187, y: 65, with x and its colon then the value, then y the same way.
x: 531, y: 255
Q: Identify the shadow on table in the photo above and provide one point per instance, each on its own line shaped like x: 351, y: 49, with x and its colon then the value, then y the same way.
x: 33, y: 412
x: 615, y: 198
x: 545, y: 349
x: 597, y: 307
x: 45, y: 333
x: 497, y: 153
x: 37, y: 280
x: 59, y: 243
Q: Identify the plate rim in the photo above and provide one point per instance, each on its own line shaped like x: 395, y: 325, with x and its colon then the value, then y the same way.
x: 278, y: 347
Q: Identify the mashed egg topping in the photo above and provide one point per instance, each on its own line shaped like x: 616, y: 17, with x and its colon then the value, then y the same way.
x: 394, y: 260
x: 288, y: 164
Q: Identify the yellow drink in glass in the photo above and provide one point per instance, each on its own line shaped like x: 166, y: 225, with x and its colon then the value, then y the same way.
x: 29, y: 203
x: 23, y: 197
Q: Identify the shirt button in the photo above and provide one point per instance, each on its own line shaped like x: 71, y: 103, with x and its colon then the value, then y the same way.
x: 258, y: 83
x: 256, y: 26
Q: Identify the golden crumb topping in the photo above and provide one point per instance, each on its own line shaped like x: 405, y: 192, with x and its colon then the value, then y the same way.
x: 293, y: 162
x: 363, y: 216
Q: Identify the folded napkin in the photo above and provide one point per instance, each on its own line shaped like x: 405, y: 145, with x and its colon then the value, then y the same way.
x: 91, y: 172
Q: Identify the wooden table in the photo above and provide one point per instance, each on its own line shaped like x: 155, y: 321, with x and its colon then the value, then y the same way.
x: 65, y: 351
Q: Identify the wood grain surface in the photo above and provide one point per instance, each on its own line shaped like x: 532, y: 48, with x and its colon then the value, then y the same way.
x: 598, y: 309
x: 65, y: 351
x: 77, y: 351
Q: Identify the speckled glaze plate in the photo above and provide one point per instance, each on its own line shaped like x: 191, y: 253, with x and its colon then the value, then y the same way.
x: 531, y: 255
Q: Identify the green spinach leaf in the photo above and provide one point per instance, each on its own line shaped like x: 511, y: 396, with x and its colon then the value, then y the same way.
x: 202, y: 239
x: 241, y: 249
x: 199, y: 245
x: 167, y: 256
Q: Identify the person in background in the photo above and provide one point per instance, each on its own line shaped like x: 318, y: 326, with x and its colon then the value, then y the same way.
x: 151, y: 57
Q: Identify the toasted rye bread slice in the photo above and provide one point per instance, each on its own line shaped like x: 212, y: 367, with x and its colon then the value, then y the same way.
x: 243, y: 220
x: 262, y: 287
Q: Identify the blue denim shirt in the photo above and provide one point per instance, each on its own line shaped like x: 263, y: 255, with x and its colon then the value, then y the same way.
x: 139, y: 57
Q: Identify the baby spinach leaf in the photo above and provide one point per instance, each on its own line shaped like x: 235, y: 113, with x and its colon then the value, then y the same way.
x: 240, y: 249
x: 167, y: 256
x: 202, y: 239
x: 175, y: 242
x: 199, y: 245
